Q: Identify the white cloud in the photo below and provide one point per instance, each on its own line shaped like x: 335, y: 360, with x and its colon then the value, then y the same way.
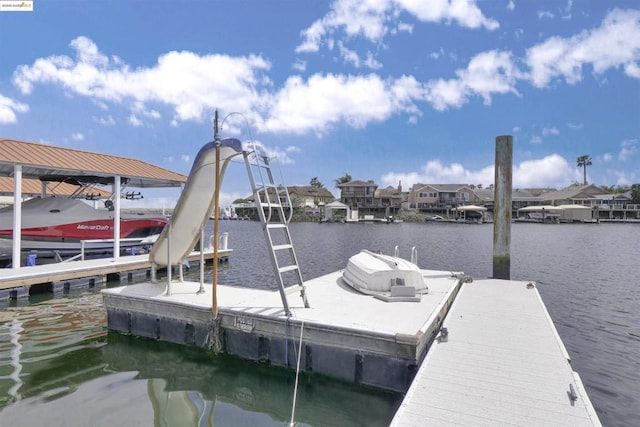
x: 535, y: 139
x: 545, y: 14
x: 607, y: 157
x: 9, y: 108
x: 511, y: 5
x: 77, y: 136
x: 465, y: 13
x: 567, y: 10
x: 185, y: 158
x: 628, y: 148
x: 351, y: 56
x: 575, y: 126
x: 550, y: 171
x: 487, y: 73
x: 516, y: 129
x: 192, y: 85
x: 373, y: 19
x: 615, y: 44
x: 273, y: 153
x: 135, y: 121
x: 550, y: 131
x: 300, y: 65
x: 325, y: 100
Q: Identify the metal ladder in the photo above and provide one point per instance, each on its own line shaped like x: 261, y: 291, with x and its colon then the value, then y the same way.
x: 270, y: 200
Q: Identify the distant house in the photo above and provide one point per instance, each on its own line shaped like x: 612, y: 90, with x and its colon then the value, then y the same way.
x: 365, y: 197
x: 439, y: 196
x: 308, y: 196
x: 301, y: 196
x: 519, y: 198
x: 588, y: 195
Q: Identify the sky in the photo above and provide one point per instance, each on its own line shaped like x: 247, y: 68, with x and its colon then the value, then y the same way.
x: 394, y: 91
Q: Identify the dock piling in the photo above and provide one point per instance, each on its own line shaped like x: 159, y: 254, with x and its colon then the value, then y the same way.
x: 502, y: 208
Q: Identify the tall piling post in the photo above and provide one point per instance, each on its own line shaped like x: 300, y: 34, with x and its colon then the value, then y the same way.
x: 502, y: 208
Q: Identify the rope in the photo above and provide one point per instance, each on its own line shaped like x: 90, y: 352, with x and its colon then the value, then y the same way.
x: 295, y: 389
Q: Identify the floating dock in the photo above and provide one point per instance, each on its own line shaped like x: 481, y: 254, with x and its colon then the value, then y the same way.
x: 16, y: 282
x: 502, y: 363
x: 345, y: 334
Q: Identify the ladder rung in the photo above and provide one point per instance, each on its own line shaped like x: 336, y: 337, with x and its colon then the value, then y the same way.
x: 272, y: 205
x: 288, y: 268
x: 276, y: 225
x: 281, y: 247
x: 293, y: 289
x: 264, y: 186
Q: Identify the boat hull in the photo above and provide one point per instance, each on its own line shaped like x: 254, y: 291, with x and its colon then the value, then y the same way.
x: 373, y: 273
x: 62, y: 225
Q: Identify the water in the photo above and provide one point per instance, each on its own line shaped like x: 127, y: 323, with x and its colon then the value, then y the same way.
x: 58, y: 362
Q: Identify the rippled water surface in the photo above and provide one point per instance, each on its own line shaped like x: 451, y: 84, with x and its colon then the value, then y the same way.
x: 58, y: 362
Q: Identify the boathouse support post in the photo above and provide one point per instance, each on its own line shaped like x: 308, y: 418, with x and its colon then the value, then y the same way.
x: 502, y: 208
x: 116, y: 217
x: 17, y: 216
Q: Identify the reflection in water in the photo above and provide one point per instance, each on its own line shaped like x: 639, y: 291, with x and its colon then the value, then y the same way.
x: 16, y: 350
x: 57, y: 361
x: 193, y: 379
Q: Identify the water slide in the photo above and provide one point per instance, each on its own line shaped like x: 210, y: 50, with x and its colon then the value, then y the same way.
x: 195, y: 205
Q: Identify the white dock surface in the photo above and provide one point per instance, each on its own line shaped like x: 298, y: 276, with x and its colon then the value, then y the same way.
x: 503, y: 364
x: 332, y: 302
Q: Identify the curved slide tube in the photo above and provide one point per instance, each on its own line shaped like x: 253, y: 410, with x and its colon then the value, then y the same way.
x: 193, y: 211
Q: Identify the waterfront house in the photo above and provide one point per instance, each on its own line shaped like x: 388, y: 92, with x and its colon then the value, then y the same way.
x: 520, y: 198
x: 439, y: 196
x: 308, y: 196
x: 573, y: 195
x: 366, y: 198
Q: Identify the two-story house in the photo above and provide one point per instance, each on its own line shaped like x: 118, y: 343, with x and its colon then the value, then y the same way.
x: 366, y: 198
x: 439, y: 196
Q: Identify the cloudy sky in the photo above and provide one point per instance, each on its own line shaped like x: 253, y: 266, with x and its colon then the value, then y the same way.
x: 387, y: 90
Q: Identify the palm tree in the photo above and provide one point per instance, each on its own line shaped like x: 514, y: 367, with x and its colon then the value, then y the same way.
x: 583, y: 162
x: 316, y: 183
x: 343, y: 179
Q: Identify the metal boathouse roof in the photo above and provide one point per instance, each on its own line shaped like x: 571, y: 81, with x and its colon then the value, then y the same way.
x: 38, y: 160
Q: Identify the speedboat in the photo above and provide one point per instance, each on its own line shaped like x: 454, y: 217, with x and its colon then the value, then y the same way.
x: 386, y: 277
x: 60, y: 224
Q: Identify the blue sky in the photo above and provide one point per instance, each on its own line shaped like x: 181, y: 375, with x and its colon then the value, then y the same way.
x: 387, y: 90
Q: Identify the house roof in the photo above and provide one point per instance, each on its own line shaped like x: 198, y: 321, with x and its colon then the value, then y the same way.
x: 42, y: 159
x: 516, y: 195
x: 357, y: 183
x: 441, y: 188
x: 309, y: 191
x: 388, y: 192
x: 574, y: 192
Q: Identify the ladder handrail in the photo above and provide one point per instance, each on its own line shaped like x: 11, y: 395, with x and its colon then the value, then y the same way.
x: 255, y: 160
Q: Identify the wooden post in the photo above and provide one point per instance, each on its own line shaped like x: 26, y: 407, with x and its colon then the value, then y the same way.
x: 502, y: 208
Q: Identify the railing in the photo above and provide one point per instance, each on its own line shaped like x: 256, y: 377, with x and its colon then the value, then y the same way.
x: 84, y: 242
x: 223, y: 241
